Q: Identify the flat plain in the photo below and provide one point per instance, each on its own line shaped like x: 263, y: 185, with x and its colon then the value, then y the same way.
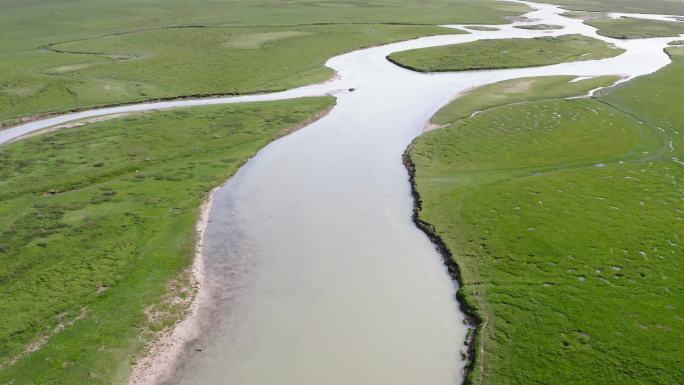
x: 517, y: 91
x: 632, y: 28
x: 103, y: 52
x: 504, y: 53
x: 663, y: 7
x: 566, y: 220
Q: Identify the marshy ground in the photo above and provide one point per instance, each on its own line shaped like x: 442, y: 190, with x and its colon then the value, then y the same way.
x: 566, y: 219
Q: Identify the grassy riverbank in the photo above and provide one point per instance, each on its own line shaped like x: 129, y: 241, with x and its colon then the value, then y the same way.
x: 181, y: 61
x: 68, y: 54
x: 100, y: 226
x: 504, y: 53
x: 666, y: 7
x: 517, y: 91
x: 566, y: 219
x: 631, y: 28
x: 540, y: 27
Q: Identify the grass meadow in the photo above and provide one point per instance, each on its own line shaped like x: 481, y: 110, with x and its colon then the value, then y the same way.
x: 566, y: 220
x: 666, y: 7
x: 517, y: 91
x: 178, y: 62
x: 504, y: 53
x: 97, y: 233
x: 540, y: 27
x: 631, y: 28
x: 77, y: 54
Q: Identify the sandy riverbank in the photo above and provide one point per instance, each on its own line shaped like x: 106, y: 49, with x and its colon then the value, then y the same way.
x: 164, y: 352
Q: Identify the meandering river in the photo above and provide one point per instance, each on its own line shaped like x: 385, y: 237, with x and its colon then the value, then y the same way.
x: 315, y: 272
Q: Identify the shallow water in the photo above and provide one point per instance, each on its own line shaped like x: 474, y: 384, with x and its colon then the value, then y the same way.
x: 315, y: 272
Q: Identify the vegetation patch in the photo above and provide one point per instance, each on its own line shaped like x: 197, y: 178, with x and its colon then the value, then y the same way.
x: 176, y: 62
x: 96, y: 233
x: 633, y: 28
x: 662, y: 7
x: 517, y: 91
x: 585, y: 15
x: 53, y: 21
x: 504, y: 53
x: 540, y: 27
x: 676, y: 42
x: 566, y: 220
x: 256, y: 40
x: 75, y: 54
x: 481, y: 28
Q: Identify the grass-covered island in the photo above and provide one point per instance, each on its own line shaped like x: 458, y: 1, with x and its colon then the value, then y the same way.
x: 504, y: 53
x: 540, y: 27
x: 97, y: 229
x: 484, y: 28
x: 566, y: 220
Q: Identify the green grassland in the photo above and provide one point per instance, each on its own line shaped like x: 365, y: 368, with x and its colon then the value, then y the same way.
x: 101, y: 225
x: 667, y: 7
x: 540, y: 27
x: 59, y: 55
x: 517, y: 91
x: 631, y: 28
x: 585, y: 15
x: 481, y: 28
x: 676, y: 42
x: 504, y: 53
x: 53, y: 21
x: 566, y: 219
x: 181, y: 61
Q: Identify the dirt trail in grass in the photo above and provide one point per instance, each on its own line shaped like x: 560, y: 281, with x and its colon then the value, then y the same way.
x: 315, y: 271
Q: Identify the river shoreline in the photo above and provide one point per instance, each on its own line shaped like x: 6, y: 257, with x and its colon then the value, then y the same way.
x: 165, y: 351
x: 472, y: 319
x: 162, y: 356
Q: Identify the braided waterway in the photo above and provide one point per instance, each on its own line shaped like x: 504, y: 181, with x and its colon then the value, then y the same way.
x: 314, y: 272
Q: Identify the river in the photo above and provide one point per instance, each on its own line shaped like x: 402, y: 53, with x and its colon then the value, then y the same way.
x: 314, y: 271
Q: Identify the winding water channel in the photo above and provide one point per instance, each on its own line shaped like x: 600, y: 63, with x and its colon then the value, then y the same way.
x: 315, y: 272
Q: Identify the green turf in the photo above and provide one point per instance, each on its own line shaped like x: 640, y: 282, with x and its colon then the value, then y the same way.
x: 631, y: 28
x: 504, y: 53
x: 181, y: 61
x: 540, y: 27
x: 566, y: 219
x: 30, y: 24
x: 102, y: 220
x: 516, y: 91
x: 676, y: 42
x: 668, y: 7
x: 481, y: 28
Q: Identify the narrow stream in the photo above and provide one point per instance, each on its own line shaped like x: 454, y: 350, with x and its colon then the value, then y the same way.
x: 315, y: 272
